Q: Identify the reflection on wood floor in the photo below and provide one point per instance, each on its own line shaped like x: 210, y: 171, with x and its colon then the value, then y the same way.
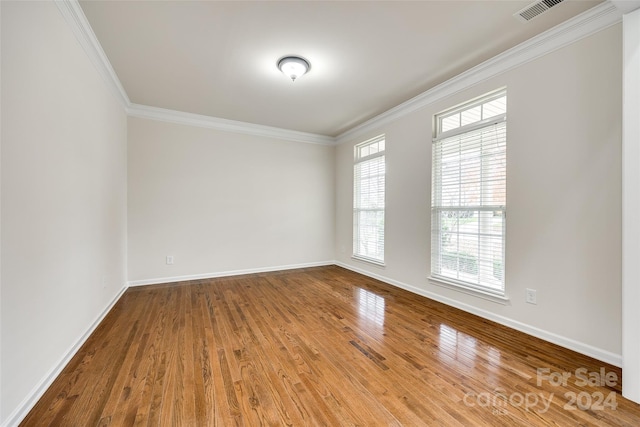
x: 319, y: 346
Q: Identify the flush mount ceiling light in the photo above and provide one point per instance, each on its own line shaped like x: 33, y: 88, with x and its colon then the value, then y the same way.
x: 293, y: 66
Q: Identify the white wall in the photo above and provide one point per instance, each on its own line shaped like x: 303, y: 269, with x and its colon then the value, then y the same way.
x: 223, y: 202
x: 63, y: 198
x: 563, y: 197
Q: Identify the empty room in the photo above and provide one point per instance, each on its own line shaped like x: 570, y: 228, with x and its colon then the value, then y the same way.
x: 304, y: 213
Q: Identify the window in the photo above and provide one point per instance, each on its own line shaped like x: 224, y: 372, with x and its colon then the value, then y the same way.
x: 468, y: 195
x: 368, y: 201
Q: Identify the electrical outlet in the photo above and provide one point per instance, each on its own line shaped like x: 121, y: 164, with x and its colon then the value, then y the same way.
x: 531, y: 296
x: 169, y: 259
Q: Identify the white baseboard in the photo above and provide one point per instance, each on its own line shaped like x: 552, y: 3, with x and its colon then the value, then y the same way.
x: 160, y: 280
x: 32, y: 398
x: 16, y: 417
x: 571, y: 344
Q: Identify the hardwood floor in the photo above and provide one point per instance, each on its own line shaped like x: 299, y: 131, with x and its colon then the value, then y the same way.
x: 319, y: 346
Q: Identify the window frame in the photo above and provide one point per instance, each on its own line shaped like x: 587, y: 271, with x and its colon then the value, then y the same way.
x: 476, y: 288
x: 359, y: 159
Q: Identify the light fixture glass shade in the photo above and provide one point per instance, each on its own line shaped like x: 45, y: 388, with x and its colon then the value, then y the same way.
x: 293, y: 66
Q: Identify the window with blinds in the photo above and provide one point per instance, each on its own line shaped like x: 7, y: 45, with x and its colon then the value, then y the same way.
x: 468, y: 195
x: 368, y: 200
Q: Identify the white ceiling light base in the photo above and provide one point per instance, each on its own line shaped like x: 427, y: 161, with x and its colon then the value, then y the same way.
x: 293, y: 66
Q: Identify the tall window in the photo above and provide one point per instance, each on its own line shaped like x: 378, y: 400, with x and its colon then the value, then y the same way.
x: 368, y: 201
x: 468, y: 195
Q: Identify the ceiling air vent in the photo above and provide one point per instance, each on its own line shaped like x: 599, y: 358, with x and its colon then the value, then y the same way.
x: 535, y: 9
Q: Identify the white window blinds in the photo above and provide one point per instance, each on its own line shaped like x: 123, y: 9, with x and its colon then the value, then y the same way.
x: 368, y: 200
x: 468, y: 197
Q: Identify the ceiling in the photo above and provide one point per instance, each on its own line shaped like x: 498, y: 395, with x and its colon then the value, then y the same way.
x: 218, y: 58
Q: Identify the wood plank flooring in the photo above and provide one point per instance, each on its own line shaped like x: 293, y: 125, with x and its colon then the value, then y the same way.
x: 319, y: 346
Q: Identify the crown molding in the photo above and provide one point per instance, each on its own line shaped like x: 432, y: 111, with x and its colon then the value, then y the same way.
x: 190, y: 119
x: 583, y: 25
x: 587, y: 23
x: 75, y: 17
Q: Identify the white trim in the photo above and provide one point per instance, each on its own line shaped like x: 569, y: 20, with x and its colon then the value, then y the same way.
x: 583, y: 25
x: 469, y: 105
x: 587, y: 23
x: 1, y: 413
x: 356, y: 149
x: 469, y: 290
x: 496, y: 120
x: 75, y: 17
x: 36, y: 393
x: 173, y: 279
x: 77, y: 20
x: 571, y: 344
x: 371, y: 261
x: 631, y: 207
x: 190, y: 119
x: 369, y: 157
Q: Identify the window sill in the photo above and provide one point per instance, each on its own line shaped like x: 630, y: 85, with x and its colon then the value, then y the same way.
x: 369, y: 261
x: 459, y: 287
